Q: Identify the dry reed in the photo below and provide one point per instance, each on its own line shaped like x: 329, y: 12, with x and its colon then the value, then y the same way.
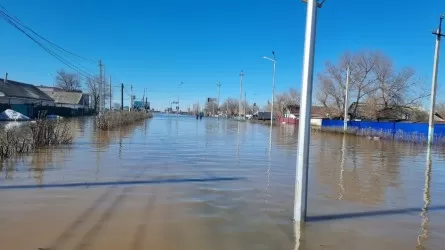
x: 114, y: 119
x: 42, y: 133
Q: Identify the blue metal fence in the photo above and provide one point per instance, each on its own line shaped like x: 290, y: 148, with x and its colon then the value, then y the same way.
x: 418, y: 128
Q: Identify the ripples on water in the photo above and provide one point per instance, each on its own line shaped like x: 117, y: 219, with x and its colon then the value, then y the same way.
x: 362, y: 194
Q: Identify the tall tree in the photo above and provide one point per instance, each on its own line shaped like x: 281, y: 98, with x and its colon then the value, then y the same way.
x: 373, y: 80
x: 283, y: 100
x: 67, y: 81
x: 93, y: 85
x: 230, y: 106
x: 211, y: 107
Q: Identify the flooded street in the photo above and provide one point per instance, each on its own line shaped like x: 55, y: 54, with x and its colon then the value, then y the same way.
x: 181, y: 183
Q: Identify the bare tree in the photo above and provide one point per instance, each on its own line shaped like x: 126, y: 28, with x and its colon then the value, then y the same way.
x: 230, y: 107
x: 283, y: 100
x: 93, y: 85
x: 211, y: 107
x: 397, y: 88
x: 67, y: 81
x: 440, y: 109
x: 373, y: 80
x: 93, y: 89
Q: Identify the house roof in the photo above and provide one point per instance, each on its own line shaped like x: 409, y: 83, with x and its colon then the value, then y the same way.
x: 63, y: 96
x: 293, y: 108
x: 22, y: 90
x: 316, y: 111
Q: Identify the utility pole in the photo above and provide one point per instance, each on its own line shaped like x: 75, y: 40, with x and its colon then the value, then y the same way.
x: 227, y: 108
x: 110, y: 93
x: 100, y: 85
x: 131, y: 97
x: 219, y: 91
x: 300, y: 202
x: 274, y: 60
x: 122, y: 96
x: 345, y: 120
x: 438, y: 34
x: 245, y: 102
x: 104, y: 88
x: 240, y: 93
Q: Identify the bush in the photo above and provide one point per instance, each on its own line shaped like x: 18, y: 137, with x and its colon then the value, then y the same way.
x: 42, y: 133
x: 115, y: 119
x: 48, y: 132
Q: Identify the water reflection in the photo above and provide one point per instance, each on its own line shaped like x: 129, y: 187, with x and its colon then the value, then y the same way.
x: 367, y: 176
x: 427, y: 202
x: 102, y: 139
x: 355, y: 183
x: 342, y: 167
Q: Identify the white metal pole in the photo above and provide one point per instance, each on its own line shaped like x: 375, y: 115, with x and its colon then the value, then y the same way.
x: 273, y: 90
x: 345, y: 119
x: 240, y: 94
x: 219, y: 93
x: 434, y: 83
x: 300, y: 203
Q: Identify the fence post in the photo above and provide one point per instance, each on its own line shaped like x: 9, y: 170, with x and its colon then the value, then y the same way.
x: 393, y: 130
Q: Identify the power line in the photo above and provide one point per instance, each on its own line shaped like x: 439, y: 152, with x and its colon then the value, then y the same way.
x: 16, y: 24
x: 16, y: 19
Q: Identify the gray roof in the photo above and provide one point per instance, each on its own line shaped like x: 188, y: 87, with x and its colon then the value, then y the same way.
x: 22, y: 90
x: 63, y: 96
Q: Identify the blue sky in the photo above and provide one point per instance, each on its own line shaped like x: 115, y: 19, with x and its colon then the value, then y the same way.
x: 158, y: 44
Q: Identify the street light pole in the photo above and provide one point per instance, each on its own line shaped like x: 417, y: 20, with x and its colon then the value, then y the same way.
x: 273, y: 84
x: 240, y: 94
x: 345, y: 119
x: 300, y: 202
x: 177, y: 110
x: 219, y: 92
x: 438, y: 34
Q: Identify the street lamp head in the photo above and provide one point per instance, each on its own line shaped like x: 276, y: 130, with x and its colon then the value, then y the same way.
x: 267, y: 58
x: 319, y: 4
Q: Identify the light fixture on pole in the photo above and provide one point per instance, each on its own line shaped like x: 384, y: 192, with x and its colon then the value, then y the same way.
x: 273, y: 84
x: 300, y: 202
x: 438, y: 34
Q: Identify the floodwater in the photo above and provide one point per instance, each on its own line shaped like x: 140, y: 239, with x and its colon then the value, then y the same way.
x: 181, y: 183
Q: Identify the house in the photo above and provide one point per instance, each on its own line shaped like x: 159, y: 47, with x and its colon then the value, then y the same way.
x: 293, y: 111
x: 67, y: 99
x: 362, y: 111
x: 22, y: 97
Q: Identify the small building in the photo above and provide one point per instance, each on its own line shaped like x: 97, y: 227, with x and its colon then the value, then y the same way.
x: 67, y: 99
x: 22, y: 97
x: 293, y: 111
x: 395, y: 113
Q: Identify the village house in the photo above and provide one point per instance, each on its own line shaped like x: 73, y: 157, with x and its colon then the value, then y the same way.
x: 67, y: 99
x: 22, y: 97
x: 361, y: 111
x: 293, y: 111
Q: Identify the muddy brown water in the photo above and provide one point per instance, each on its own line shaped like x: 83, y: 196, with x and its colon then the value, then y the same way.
x: 181, y: 183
